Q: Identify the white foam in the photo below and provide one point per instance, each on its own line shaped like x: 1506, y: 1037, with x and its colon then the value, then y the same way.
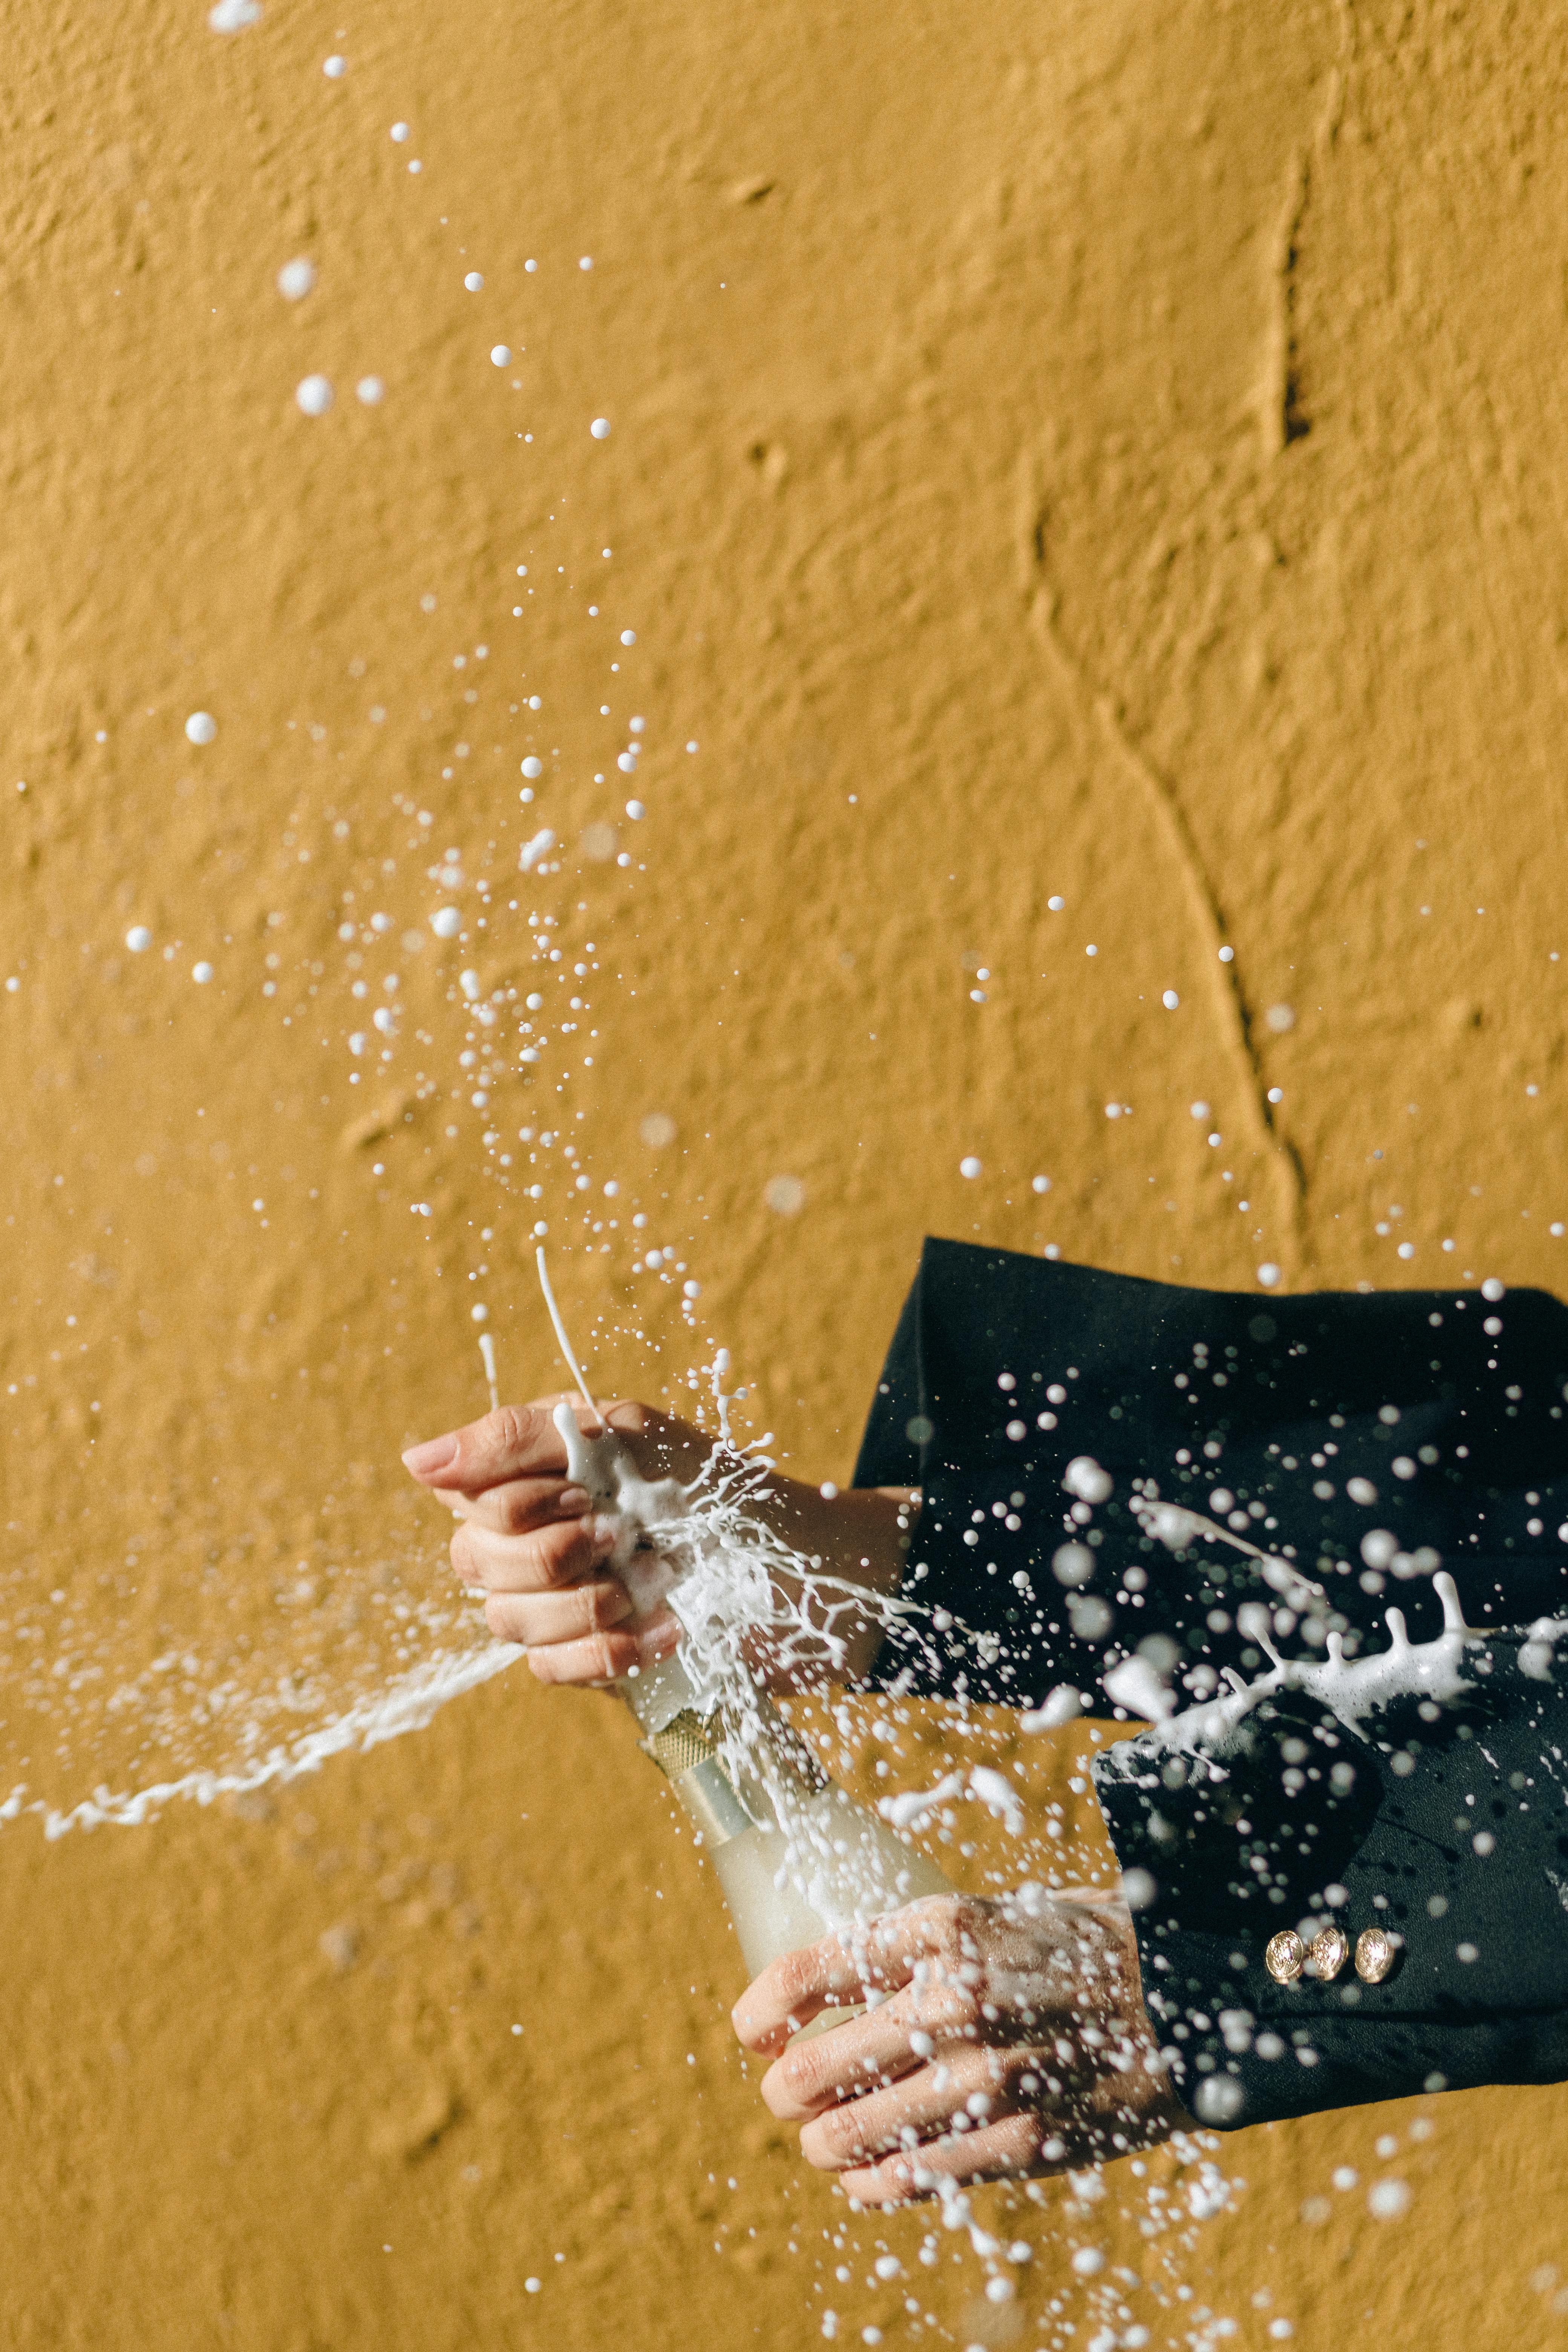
x: 1084, y: 1477
x: 1350, y: 1689
x: 408, y: 1703
x: 1136, y: 1685
x: 1536, y: 1655
x: 1179, y: 1530
x: 913, y: 1807
x: 1061, y: 1705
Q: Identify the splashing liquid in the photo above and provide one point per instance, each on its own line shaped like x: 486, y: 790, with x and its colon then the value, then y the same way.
x: 794, y: 1855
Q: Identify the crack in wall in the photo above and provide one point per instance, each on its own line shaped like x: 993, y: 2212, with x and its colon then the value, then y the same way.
x: 1205, y: 906
x: 1282, y: 407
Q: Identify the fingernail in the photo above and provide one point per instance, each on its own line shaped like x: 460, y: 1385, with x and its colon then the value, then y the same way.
x: 658, y: 1641
x: 436, y: 1453
x: 572, y: 1501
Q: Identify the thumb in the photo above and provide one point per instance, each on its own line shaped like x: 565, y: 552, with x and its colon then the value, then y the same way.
x: 518, y: 1442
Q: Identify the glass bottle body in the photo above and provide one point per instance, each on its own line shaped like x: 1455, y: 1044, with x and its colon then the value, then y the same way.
x: 829, y: 1863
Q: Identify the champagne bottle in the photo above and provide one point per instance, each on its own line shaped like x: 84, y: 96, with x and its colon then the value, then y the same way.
x: 831, y: 1862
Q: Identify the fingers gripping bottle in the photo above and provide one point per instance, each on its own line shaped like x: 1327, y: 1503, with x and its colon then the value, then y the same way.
x: 830, y: 1862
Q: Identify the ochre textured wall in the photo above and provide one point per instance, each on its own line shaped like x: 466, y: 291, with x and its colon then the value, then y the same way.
x: 1096, y: 451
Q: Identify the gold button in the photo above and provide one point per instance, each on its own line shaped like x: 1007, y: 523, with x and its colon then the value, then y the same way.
x: 1285, y: 1955
x: 1375, y: 1953
x: 1328, y: 1954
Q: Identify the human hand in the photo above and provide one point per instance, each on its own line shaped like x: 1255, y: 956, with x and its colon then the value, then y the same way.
x: 1004, y: 2038
x: 536, y: 1545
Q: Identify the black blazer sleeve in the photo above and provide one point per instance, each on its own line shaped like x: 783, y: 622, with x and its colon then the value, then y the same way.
x: 1447, y: 1836
x: 1362, y: 1439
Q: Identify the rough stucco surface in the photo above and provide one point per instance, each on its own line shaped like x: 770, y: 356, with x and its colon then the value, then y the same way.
x: 1105, y: 449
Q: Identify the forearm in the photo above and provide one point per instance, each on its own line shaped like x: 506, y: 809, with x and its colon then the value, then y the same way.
x: 858, y: 1536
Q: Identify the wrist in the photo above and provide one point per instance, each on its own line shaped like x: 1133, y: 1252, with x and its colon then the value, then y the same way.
x: 859, y: 1534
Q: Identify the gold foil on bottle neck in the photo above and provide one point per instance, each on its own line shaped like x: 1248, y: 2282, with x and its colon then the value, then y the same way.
x: 686, y: 1750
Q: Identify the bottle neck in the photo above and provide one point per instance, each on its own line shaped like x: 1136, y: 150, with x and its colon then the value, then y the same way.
x: 688, y: 1748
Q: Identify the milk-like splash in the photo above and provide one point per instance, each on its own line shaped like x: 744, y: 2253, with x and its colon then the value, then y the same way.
x: 739, y: 1590
x: 1180, y: 1529
x: 408, y: 1703
x: 1350, y: 1689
